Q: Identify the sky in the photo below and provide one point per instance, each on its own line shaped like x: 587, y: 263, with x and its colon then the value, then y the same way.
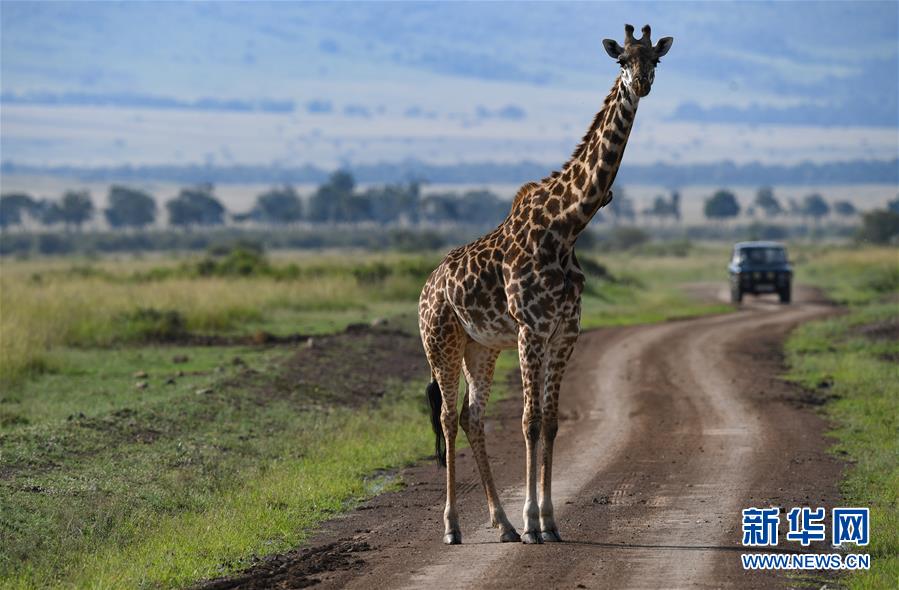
x: 99, y: 83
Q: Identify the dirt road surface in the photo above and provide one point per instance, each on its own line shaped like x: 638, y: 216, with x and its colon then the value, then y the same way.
x: 667, y: 432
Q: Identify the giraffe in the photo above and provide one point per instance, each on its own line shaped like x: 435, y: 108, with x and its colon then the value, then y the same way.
x: 520, y: 286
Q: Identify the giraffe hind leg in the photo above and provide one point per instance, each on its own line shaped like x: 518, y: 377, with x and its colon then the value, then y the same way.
x: 444, y: 342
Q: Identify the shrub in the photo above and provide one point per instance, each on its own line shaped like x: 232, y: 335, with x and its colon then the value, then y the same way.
x: 149, y: 323
x: 369, y: 274
x: 880, y: 226
x: 625, y: 238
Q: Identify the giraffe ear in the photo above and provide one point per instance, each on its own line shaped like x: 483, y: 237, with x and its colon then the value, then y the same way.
x: 612, y: 48
x: 663, y: 46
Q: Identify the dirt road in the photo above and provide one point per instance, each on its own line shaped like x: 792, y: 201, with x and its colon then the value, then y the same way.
x: 668, y: 431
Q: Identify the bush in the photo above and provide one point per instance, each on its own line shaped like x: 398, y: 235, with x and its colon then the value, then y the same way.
x: 767, y: 231
x: 595, y: 269
x: 149, y: 323
x: 240, y: 261
x: 882, y: 280
x: 370, y: 274
x: 624, y: 238
x: 880, y: 226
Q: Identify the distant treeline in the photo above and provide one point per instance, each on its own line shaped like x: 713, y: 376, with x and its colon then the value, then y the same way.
x: 397, y: 216
x: 720, y: 173
x: 338, y: 201
x: 880, y: 227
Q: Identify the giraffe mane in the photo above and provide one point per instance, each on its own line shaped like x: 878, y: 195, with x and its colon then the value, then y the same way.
x: 523, y: 192
x: 597, y: 123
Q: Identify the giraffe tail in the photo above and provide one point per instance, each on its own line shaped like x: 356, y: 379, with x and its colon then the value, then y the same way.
x: 435, y: 402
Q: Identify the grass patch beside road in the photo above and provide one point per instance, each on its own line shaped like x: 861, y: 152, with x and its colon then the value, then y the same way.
x: 121, y: 466
x: 173, y: 483
x: 853, y: 361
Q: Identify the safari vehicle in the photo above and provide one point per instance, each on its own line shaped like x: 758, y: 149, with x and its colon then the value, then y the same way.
x: 760, y: 267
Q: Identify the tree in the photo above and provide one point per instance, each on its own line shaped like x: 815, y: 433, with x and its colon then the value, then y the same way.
x: 674, y: 207
x: 394, y: 202
x: 722, y: 205
x: 815, y: 206
x: 13, y: 205
x: 844, y: 209
x: 331, y: 201
x: 663, y: 208
x: 478, y: 207
x: 130, y: 207
x: 196, y: 206
x: 278, y: 205
x: 893, y: 205
x: 75, y: 208
x: 766, y: 201
x: 621, y: 206
x: 880, y: 226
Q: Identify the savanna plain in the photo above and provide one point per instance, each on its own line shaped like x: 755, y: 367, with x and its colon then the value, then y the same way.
x: 165, y: 420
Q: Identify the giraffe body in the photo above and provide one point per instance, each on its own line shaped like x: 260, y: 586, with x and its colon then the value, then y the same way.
x: 520, y: 286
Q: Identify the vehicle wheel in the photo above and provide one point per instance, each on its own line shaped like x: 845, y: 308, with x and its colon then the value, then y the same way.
x: 736, y: 294
x: 785, y: 294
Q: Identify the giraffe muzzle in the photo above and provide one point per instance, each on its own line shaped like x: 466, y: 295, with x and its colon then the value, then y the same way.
x: 642, y: 86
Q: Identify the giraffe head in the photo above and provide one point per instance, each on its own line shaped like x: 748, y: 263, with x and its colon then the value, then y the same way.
x: 638, y: 58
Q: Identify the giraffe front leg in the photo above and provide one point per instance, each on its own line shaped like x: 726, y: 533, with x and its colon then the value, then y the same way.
x: 560, y: 352
x: 478, y: 366
x: 532, y: 355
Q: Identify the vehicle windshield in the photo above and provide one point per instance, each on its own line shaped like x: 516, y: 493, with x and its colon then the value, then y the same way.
x: 763, y: 255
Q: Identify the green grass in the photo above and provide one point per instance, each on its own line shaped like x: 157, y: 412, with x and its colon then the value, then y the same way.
x: 649, y: 289
x: 864, y: 371
x: 93, y: 382
x: 52, y: 304
x: 59, y: 303
x: 185, y: 485
x: 107, y: 484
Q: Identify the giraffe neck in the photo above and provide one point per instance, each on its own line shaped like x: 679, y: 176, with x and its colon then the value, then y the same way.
x: 586, y: 178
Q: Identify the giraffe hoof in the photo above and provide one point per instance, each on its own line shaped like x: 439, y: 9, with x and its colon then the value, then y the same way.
x: 551, y: 537
x: 453, y: 538
x: 531, y: 539
x: 511, y: 536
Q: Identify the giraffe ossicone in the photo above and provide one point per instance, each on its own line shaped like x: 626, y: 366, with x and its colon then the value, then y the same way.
x: 520, y: 286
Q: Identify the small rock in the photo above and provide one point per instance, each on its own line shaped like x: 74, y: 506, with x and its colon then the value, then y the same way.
x: 310, y: 343
x: 262, y: 337
x: 141, y: 385
x: 140, y: 375
x: 180, y: 359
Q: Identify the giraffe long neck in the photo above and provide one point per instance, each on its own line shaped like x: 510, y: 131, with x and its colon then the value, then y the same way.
x: 586, y: 178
